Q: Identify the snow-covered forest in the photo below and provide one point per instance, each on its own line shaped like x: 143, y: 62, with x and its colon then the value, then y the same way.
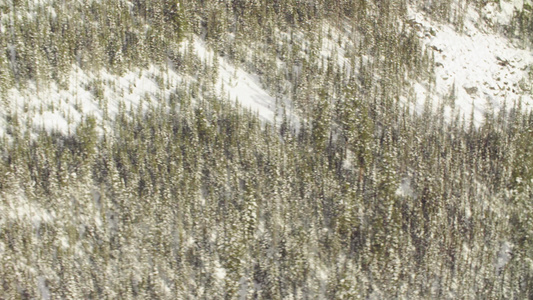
x: 252, y: 149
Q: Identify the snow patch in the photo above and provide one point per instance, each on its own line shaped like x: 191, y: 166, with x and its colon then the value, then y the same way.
x: 220, y: 273
x: 476, y: 72
x: 241, y: 86
x: 502, y: 12
x: 20, y: 209
x: 43, y: 289
x: 99, y: 94
x: 504, y: 256
x: 405, y: 189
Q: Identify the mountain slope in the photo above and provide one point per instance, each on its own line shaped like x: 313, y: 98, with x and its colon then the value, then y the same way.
x: 271, y: 150
x: 476, y: 68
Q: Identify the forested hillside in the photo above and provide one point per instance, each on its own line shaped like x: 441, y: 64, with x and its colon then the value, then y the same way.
x: 246, y: 149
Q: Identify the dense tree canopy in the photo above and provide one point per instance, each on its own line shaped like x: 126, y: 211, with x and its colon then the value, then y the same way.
x: 188, y: 195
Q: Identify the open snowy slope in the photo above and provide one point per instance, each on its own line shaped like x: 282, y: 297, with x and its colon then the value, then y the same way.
x: 87, y: 94
x: 476, y: 69
x: 241, y: 86
x: 100, y: 94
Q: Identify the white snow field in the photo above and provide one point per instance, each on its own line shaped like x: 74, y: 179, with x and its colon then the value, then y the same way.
x: 241, y: 86
x: 88, y: 94
x: 480, y: 69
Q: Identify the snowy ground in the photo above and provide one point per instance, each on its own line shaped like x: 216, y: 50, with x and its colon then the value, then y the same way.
x: 241, y: 86
x: 100, y: 94
x: 476, y: 69
x: 88, y: 94
x: 481, y: 70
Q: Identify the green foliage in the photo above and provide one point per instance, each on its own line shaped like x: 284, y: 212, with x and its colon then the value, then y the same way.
x: 196, y: 198
x: 87, y: 137
x: 222, y: 205
x: 45, y: 43
x: 321, y: 123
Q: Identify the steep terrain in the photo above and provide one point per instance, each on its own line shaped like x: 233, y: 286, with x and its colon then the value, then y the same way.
x: 473, y: 67
x: 476, y: 68
x: 183, y: 149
